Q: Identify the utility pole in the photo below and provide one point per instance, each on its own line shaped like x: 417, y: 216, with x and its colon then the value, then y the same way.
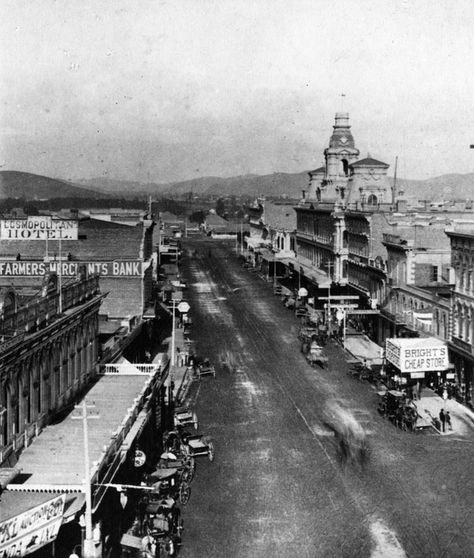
x: 89, y: 550
x: 330, y: 266
x: 60, y: 276
x: 394, y: 189
x: 173, y: 336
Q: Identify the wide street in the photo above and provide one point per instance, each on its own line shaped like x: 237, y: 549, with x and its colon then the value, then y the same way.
x: 276, y: 487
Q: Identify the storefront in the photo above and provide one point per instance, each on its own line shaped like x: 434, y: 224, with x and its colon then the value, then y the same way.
x: 417, y: 362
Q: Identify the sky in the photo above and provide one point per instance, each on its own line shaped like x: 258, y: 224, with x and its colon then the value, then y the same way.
x: 161, y: 91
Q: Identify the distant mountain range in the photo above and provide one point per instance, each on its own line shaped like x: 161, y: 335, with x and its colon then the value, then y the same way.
x: 16, y: 184
x: 32, y: 186
x: 447, y: 186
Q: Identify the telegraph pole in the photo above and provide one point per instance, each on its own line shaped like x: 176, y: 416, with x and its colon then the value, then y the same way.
x: 89, y: 550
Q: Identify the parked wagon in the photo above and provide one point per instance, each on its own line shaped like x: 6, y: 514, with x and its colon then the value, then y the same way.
x: 157, y: 530
x: 205, y: 368
x: 395, y: 406
x: 184, y: 416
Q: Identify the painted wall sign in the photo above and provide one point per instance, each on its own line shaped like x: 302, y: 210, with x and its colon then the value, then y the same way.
x: 126, y: 268
x: 38, y: 228
x: 26, y: 533
x: 417, y: 354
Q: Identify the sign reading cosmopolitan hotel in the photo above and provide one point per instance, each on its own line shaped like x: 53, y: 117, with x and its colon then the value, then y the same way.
x: 38, y: 228
x: 414, y: 355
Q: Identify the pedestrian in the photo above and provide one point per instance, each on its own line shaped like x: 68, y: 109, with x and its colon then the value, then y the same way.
x: 448, y: 420
x: 442, y: 418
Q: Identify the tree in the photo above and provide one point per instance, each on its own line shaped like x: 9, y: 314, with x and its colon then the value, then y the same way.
x: 220, y: 207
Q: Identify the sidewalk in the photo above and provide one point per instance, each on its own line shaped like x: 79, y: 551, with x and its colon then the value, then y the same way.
x: 462, y: 418
x: 179, y: 374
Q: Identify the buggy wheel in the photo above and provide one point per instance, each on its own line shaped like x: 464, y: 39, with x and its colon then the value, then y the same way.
x: 184, y: 493
x: 189, y: 470
x: 165, y: 548
x: 180, y: 528
x: 210, y: 451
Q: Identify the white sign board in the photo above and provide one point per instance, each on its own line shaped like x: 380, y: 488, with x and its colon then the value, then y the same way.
x: 26, y: 533
x: 417, y: 354
x: 38, y: 228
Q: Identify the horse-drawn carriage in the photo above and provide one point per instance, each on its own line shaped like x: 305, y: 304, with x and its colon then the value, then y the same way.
x: 185, y: 443
x: 395, y: 406
x: 184, y: 416
x: 311, y: 346
x: 157, y: 529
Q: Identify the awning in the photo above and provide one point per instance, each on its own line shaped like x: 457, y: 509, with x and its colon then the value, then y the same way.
x: 267, y: 255
x: 7, y: 474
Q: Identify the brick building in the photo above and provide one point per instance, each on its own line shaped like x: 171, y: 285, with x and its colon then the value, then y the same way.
x: 420, y: 277
x: 120, y: 253
x: 48, y: 352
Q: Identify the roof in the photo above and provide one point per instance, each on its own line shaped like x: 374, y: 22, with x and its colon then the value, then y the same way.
x: 279, y: 216
x: 166, y: 216
x: 98, y: 240
x: 216, y: 220
x: 369, y: 162
x: 320, y: 170
x: 62, y: 444
x: 124, y: 297
x: 416, y: 342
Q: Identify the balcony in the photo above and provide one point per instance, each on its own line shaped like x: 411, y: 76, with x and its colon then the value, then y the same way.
x: 464, y: 345
x: 397, y: 318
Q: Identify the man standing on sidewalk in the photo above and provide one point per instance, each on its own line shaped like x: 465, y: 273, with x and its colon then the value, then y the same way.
x: 448, y: 420
x: 442, y: 418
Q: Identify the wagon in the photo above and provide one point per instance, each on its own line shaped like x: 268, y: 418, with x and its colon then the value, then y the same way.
x: 169, y: 482
x: 184, y: 416
x: 315, y: 355
x: 199, y: 445
x: 157, y: 530
x: 205, y: 368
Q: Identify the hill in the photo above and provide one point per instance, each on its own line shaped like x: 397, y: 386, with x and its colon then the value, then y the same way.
x: 447, y: 186
x: 31, y: 186
x: 16, y: 184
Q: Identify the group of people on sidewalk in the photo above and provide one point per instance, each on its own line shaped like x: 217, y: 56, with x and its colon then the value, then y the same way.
x: 445, y: 420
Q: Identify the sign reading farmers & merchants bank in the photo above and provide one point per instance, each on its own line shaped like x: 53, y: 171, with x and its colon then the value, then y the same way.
x: 118, y: 268
x: 40, y: 227
x: 26, y: 533
x: 413, y: 355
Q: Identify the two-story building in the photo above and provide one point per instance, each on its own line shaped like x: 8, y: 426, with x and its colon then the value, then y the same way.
x: 420, y: 278
x: 48, y: 350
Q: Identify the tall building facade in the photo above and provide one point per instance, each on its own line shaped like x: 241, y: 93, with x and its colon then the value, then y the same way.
x: 340, y: 220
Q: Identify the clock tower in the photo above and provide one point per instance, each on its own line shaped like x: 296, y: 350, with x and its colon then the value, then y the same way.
x: 339, y: 155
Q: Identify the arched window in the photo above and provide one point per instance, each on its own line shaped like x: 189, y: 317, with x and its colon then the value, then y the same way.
x: 372, y: 199
x: 345, y: 167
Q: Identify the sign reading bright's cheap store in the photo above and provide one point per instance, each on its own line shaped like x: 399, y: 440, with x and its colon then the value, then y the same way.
x: 117, y: 268
x: 417, y: 354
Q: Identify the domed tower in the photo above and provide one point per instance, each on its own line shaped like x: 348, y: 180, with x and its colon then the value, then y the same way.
x: 339, y: 155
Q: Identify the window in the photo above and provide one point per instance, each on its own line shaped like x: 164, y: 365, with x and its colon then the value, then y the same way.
x: 372, y: 199
x: 434, y: 273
